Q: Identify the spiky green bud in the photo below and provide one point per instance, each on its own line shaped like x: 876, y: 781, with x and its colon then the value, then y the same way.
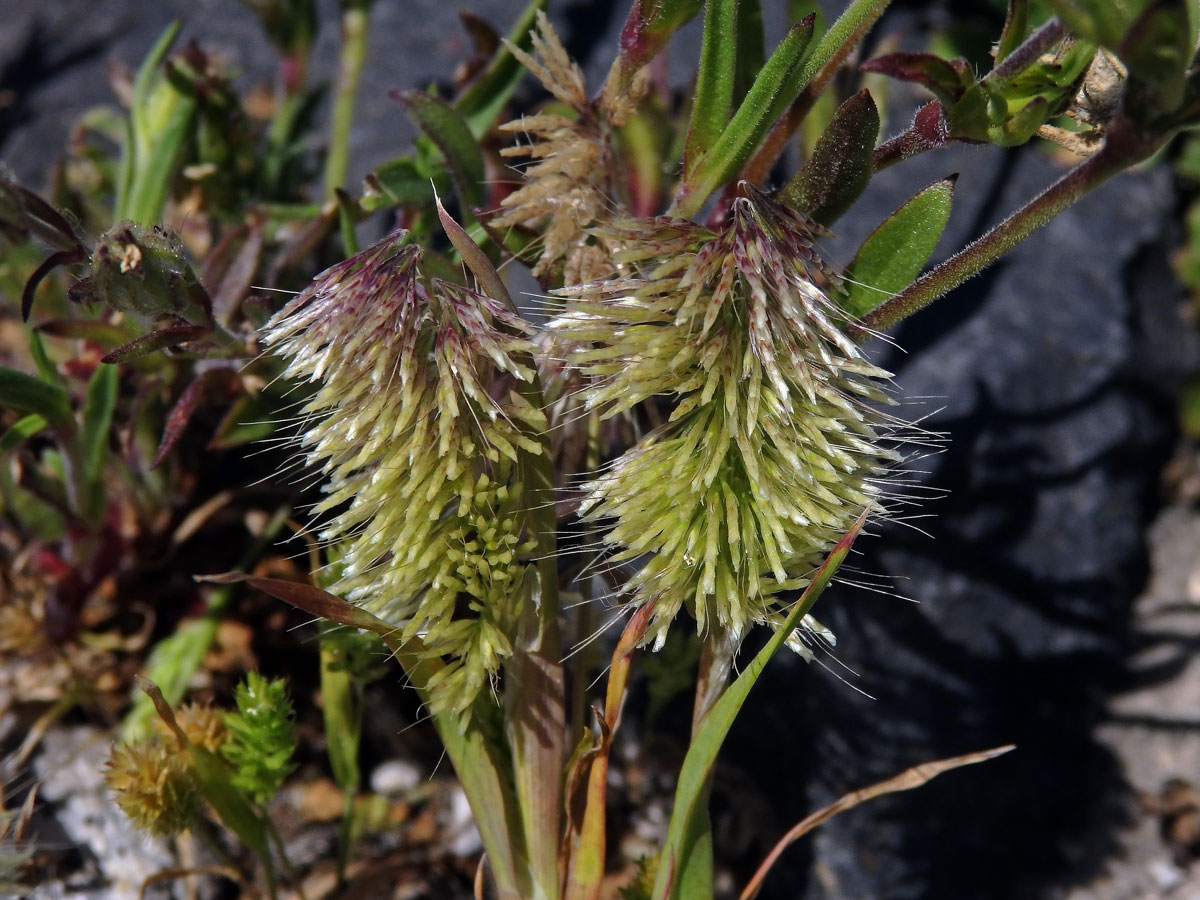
x: 262, y: 737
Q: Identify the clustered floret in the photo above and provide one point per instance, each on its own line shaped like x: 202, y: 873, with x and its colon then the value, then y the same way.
x: 773, y: 445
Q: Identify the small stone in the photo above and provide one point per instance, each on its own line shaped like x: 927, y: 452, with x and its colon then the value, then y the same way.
x: 1165, y: 873
x: 396, y: 776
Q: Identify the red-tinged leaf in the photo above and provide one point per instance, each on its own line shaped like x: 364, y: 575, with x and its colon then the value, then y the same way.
x: 52, y: 262
x: 59, y: 231
x: 228, y: 272
x: 311, y: 599
x: 649, y: 25
x: 946, y: 79
x: 181, y: 414
x: 928, y: 131
x: 485, y: 40
x: 840, y: 167
x: 156, y: 340
x: 476, y: 260
x: 622, y: 659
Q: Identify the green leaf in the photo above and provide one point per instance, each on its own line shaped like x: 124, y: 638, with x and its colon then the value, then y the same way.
x: 93, y: 436
x: 481, y: 102
x: 751, y: 46
x: 477, y: 753
x: 46, y: 369
x: 443, y: 125
x: 1099, y: 21
x: 772, y: 91
x: 838, y: 42
x: 399, y: 182
x: 142, y: 85
x: 1023, y: 124
x: 839, y: 169
x: 1016, y: 25
x: 214, y: 779
x: 28, y: 394
x: 250, y: 418
x: 713, y: 97
x: 347, y: 217
x: 160, y: 124
x: 892, y: 257
x: 171, y: 665
x: 22, y: 430
x: 341, y: 707
x: 687, y: 816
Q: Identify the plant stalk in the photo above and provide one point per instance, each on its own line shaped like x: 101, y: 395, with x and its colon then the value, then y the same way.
x: 355, y: 17
x: 1125, y: 146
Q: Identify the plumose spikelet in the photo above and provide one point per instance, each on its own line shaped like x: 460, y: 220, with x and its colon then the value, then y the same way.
x: 416, y: 423
x: 774, y: 445
x: 565, y: 188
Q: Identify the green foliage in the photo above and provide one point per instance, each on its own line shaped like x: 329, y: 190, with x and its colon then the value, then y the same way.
x: 450, y: 132
x: 775, y: 87
x: 893, y: 255
x: 839, y: 169
x: 31, y: 395
x: 164, y: 108
x: 262, y: 737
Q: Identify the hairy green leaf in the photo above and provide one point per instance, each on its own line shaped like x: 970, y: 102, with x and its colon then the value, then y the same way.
x: 839, y: 169
x: 713, y: 97
x: 772, y: 91
x: 891, y: 258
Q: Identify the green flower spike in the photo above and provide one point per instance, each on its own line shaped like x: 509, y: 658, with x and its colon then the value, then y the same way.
x: 773, y: 448
x: 416, y: 424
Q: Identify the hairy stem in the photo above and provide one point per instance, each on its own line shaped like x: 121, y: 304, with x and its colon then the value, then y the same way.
x: 1124, y: 147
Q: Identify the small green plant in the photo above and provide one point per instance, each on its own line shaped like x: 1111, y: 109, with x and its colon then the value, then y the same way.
x: 232, y: 763
x: 696, y: 416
